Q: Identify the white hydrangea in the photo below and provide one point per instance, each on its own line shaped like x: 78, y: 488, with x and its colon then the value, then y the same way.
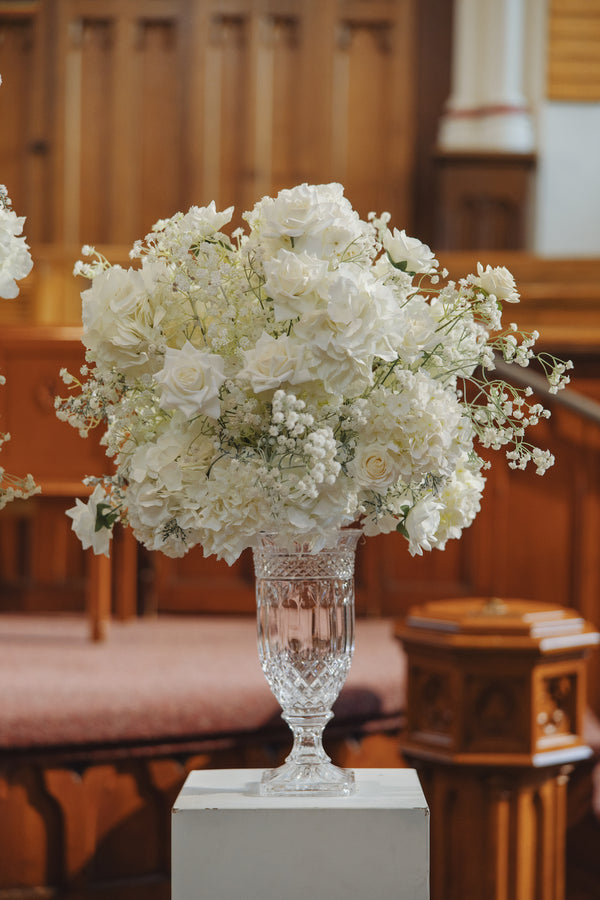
x: 273, y: 362
x: 422, y: 425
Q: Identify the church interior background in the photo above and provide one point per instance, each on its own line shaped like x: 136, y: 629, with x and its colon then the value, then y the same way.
x: 476, y: 124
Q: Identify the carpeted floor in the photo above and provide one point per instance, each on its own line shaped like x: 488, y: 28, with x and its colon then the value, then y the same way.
x: 162, y: 679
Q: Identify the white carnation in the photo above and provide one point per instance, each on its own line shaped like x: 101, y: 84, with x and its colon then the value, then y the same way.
x: 273, y: 362
x: 317, y: 219
x: 119, y: 318
x: 206, y: 220
x: 422, y: 523
x: 292, y: 282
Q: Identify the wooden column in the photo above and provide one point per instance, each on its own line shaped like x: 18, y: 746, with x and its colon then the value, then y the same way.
x: 496, y: 694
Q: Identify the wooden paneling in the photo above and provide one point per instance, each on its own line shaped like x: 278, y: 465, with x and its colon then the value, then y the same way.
x: 42, y: 566
x: 150, y: 106
x: 484, y: 200
x: 89, y: 73
x: 16, y: 47
x: 373, y: 106
x: 117, y: 139
x: 574, y: 50
x: 433, y: 66
x: 98, y: 825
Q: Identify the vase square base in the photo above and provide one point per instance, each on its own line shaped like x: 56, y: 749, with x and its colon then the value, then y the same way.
x: 295, y: 779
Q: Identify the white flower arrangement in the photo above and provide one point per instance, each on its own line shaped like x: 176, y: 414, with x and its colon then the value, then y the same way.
x: 311, y: 372
x: 15, y: 259
x: 15, y: 263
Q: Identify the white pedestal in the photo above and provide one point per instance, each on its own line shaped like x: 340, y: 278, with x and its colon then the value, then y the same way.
x: 229, y: 843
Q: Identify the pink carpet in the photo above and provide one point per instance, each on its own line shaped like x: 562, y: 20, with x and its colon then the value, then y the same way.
x: 164, y: 679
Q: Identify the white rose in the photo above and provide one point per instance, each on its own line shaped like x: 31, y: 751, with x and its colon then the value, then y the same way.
x: 190, y: 381
x: 409, y: 253
x: 274, y: 361
x: 291, y: 280
x: 374, y: 467
x: 84, y: 523
x: 497, y: 281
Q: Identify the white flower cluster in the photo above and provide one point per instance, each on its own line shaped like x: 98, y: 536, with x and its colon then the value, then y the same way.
x: 312, y: 372
x: 15, y: 263
x: 15, y: 259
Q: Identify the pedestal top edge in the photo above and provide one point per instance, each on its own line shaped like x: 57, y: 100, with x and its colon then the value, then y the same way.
x: 221, y: 789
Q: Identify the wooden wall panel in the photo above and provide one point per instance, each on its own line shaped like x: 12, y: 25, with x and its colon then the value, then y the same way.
x: 366, y: 64
x: 227, y: 116
x: 574, y: 50
x: 158, y: 149
x: 484, y: 200
x: 90, y: 90
x: 24, y: 115
x: 16, y: 67
x: 134, y: 110
x: 285, y: 61
x: 119, y: 112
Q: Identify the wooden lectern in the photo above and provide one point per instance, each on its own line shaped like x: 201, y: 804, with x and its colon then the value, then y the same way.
x: 496, y: 694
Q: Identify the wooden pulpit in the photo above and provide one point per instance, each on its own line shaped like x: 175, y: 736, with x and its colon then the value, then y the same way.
x: 495, y: 701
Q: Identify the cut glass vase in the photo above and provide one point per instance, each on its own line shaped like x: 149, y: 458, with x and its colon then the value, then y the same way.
x: 305, y: 621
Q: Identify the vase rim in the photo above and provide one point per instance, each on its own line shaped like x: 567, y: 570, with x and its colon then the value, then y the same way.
x: 309, y: 542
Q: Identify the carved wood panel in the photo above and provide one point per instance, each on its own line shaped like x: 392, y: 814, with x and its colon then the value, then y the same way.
x: 98, y: 825
x: 134, y: 110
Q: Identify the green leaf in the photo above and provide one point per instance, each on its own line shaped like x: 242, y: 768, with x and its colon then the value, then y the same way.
x: 402, y: 266
x: 401, y: 528
x: 106, y: 516
x: 398, y: 265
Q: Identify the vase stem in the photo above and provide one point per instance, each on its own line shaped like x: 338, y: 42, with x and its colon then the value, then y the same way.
x: 308, y: 737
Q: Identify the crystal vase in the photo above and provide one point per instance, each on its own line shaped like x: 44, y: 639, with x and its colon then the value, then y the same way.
x: 305, y: 620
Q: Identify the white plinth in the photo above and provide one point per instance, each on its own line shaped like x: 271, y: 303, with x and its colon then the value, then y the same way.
x: 229, y: 843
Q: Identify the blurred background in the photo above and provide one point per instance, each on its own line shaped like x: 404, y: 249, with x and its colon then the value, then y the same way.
x: 475, y: 123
